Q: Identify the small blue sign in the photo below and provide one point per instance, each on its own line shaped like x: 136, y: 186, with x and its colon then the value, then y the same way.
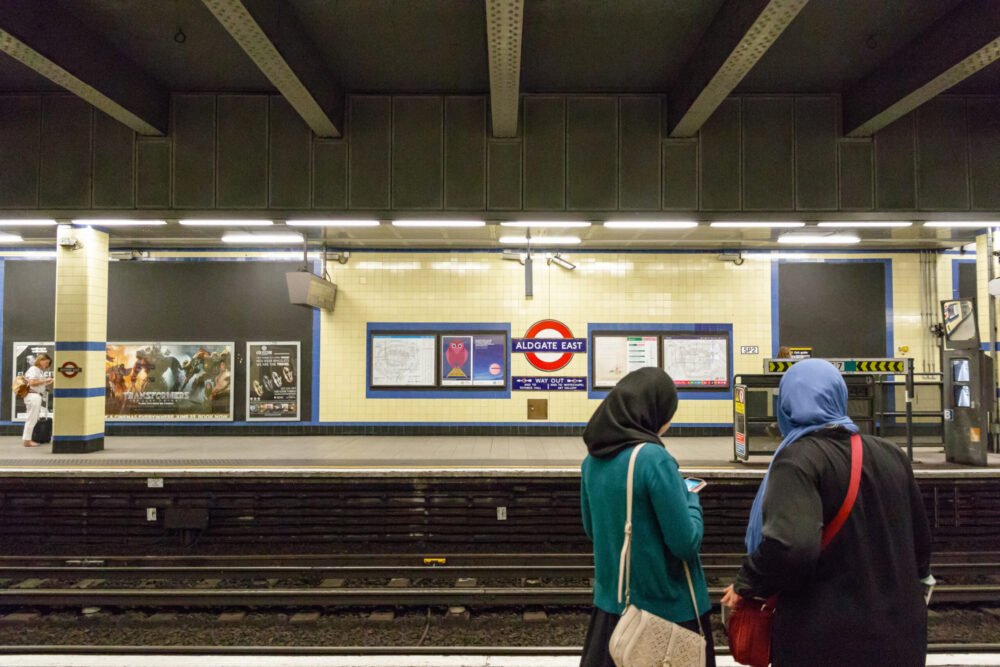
x: 549, y: 383
x: 559, y: 345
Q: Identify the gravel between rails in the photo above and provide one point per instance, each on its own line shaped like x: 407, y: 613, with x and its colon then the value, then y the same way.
x: 948, y: 623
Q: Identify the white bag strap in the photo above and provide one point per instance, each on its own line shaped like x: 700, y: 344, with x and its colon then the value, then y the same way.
x: 625, y: 561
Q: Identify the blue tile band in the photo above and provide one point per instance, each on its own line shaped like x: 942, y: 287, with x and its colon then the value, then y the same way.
x: 89, y: 392
x: 80, y: 346
x: 70, y: 438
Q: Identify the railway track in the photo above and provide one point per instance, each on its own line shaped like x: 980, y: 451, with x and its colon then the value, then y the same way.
x: 359, y: 580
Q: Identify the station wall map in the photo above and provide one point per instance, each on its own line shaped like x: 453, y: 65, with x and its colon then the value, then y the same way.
x: 695, y: 360
x: 437, y: 360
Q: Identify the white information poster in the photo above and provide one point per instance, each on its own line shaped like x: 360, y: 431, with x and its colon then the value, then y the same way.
x: 617, y: 356
x: 400, y: 360
x: 693, y: 361
x: 610, y: 360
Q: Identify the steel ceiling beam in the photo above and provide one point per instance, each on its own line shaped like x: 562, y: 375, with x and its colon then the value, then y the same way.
x: 956, y: 47
x: 62, y: 49
x: 504, y: 20
x: 741, y: 32
x: 272, y: 36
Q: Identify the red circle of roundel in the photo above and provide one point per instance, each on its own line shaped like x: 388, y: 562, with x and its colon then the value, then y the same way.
x: 532, y: 357
x: 69, y: 369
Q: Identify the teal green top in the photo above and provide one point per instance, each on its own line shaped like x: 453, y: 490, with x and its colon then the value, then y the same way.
x: 666, y: 528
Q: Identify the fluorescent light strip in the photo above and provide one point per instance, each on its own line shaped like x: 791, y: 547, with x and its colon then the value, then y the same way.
x: 863, y: 225
x: 27, y: 223
x: 245, y: 237
x: 545, y: 223
x: 226, y: 223
x: 120, y: 223
x: 650, y: 224
x: 439, y: 223
x: 819, y: 239
x: 962, y: 223
x: 541, y: 240
x: 10, y: 238
x: 763, y: 225
x: 332, y: 223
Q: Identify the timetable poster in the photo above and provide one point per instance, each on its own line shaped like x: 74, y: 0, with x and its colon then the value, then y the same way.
x: 24, y: 358
x: 169, y: 382
x: 456, y: 360
x: 489, y: 351
x: 273, y: 387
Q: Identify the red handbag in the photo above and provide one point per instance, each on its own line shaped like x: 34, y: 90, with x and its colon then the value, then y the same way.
x: 751, y: 619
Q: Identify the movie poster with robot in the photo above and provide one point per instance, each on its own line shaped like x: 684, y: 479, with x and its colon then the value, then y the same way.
x: 169, y: 382
x: 273, y: 389
x: 24, y: 358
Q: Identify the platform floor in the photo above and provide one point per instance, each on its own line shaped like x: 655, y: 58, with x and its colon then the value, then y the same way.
x: 384, y: 452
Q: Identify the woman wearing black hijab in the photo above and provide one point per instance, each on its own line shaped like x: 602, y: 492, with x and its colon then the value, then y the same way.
x: 666, y: 517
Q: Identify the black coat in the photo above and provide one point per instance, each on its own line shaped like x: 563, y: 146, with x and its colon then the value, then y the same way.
x: 860, y: 601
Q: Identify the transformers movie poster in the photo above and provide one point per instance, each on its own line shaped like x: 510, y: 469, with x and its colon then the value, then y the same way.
x: 169, y: 382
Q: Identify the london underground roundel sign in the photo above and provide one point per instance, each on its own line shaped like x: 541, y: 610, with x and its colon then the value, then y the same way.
x: 549, y: 345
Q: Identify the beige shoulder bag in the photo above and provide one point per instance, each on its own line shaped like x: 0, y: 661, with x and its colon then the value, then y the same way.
x: 643, y: 639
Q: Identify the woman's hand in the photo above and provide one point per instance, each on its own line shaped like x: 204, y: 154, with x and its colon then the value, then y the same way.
x: 730, y: 597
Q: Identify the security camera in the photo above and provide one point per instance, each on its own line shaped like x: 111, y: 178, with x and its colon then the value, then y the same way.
x: 734, y: 256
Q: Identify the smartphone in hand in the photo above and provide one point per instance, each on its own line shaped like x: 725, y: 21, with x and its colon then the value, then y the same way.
x: 694, y: 485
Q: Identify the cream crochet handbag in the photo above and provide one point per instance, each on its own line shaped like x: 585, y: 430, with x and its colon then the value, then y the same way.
x: 643, y: 639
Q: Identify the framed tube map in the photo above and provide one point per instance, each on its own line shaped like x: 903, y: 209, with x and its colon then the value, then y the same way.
x: 169, y: 382
x: 273, y: 387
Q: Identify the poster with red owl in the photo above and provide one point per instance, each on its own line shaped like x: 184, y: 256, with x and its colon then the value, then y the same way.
x: 456, y: 360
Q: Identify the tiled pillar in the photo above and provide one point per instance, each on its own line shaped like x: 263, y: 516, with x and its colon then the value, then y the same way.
x: 81, y: 339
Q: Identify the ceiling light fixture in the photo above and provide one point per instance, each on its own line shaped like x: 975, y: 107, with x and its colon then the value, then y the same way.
x: 819, y: 239
x: 762, y: 225
x: 545, y: 223
x: 120, y: 223
x: 962, y: 223
x: 541, y: 240
x: 332, y: 223
x: 439, y: 223
x: 248, y: 237
x: 10, y: 238
x: 27, y: 223
x: 864, y: 225
x: 226, y: 223
x: 650, y: 224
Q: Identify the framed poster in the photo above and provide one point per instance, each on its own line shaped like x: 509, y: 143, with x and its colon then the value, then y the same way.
x: 273, y: 387
x: 24, y: 358
x: 403, y: 360
x: 617, y: 355
x: 697, y: 360
x: 169, y: 382
x: 489, y: 360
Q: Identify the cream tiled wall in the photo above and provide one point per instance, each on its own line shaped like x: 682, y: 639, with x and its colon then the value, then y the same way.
x: 639, y: 288
x: 605, y: 288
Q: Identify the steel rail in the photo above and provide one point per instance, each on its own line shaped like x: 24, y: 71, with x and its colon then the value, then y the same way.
x: 347, y: 597
x: 114, y: 649
x: 436, y: 572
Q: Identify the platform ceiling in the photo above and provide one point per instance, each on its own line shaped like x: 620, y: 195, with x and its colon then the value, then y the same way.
x: 567, y: 46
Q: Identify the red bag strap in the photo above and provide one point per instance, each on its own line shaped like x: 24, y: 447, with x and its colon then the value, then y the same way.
x: 857, y: 454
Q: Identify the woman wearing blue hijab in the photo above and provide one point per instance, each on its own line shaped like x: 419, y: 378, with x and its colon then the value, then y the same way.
x: 859, y: 600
